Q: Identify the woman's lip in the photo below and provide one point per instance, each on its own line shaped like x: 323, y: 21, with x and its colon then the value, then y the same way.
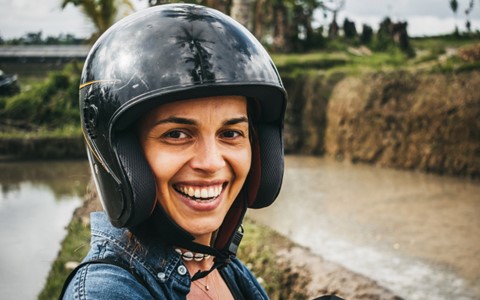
x: 201, y: 205
x: 199, y: 192
x: 200, y: 183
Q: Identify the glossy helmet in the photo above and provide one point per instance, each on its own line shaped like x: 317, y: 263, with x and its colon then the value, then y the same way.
x: 162, y: 54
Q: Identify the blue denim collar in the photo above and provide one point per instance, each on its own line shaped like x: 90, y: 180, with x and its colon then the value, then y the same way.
x: 158, y: 258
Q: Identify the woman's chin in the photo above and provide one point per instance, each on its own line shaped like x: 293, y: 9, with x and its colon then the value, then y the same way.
x: 201, y: 229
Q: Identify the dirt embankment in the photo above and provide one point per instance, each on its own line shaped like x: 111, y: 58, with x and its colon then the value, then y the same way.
x: 429, y: 122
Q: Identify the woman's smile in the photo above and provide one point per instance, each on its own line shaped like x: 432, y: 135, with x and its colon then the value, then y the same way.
x: 203, y: 197
x: 200, y: 193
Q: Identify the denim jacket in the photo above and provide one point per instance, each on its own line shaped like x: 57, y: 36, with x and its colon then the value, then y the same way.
x: 160, y: 267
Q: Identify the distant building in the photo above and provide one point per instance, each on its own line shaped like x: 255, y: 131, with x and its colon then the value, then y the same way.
x: 36, y: 60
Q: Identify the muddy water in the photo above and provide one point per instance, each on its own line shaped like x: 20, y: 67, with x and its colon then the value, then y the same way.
x: 416, y: 234
x: 37, y: 200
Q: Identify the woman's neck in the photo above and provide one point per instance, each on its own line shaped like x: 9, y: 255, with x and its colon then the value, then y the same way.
x: 204, y: 239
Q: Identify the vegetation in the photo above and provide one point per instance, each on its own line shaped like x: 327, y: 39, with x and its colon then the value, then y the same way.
x: 46, y: 108
x: 66, y: 131
x: 74, y: 247
x: 258, y: 252
x: 283, y: 26
x: 433, y: 54
x: 36, y: 38
x: 49, y: 108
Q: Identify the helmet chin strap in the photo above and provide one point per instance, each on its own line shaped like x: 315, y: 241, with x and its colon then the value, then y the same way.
x: 217, y: 264
x: 173, y: 234
x: 220, y: 262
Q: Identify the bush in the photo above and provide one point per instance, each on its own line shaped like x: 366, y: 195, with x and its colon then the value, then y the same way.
x: 52, y: 103
x: 367, y: 34
x: 470, y: 53
x: 349, y: 29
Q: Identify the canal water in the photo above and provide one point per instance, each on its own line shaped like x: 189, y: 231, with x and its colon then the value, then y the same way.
x: 416, y: 234
x: 37, y: 200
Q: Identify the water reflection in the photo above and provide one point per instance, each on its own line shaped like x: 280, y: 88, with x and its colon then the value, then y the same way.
x: 417, y: 234
x: 63, y: 179
x: 36, y: 203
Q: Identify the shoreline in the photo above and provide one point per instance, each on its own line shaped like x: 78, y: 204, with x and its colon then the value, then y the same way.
x: 40, y: 148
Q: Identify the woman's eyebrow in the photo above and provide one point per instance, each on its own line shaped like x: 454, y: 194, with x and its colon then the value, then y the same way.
x: 186, y: 121
x: 177, y: 120
x: 234, y: 121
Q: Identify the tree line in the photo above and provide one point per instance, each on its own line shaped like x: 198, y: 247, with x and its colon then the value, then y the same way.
x: 281, y: 25
x: 37, y: 38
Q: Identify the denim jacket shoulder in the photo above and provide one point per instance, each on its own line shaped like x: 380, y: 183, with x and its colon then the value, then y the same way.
x: 159, y: 266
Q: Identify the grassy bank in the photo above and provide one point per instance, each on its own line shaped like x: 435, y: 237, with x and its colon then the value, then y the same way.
x: 433, y: 55
x: 73, y: 248
x: 47, y: 146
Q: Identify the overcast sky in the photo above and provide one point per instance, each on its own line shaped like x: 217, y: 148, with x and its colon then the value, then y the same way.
x: 425, y: 17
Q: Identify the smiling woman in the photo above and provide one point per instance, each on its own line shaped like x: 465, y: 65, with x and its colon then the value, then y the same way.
x: 200, y: 154
x: 181, y: 142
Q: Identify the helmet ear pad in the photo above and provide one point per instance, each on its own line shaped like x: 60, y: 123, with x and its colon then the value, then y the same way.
x: 141, y: 189
x: 267, y: 165
x: 266, y: 139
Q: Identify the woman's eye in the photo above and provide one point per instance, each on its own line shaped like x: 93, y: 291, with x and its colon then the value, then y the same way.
x: 231, y: 134
x: 175, y: 134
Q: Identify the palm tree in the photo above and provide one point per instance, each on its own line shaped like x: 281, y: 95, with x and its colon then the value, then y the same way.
x: 333, y: 6
x: 454, y: 7
x: 102, y: 13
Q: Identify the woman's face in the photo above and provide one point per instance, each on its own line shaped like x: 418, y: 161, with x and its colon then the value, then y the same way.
x: 199, y: 151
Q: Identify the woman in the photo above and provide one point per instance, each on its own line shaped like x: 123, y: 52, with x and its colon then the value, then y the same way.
x: 182, y: 112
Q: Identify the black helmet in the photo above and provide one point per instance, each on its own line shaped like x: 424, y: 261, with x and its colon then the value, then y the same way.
x: 162, y: 54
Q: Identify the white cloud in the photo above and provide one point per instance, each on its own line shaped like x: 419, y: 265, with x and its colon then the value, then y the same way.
x: 405, y: 8
x: 421, y: 25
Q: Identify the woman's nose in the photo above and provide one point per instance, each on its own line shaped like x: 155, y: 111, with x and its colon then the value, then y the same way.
x: 208, y: 157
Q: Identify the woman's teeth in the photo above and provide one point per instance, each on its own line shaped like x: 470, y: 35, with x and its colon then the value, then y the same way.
x: 200, y: 193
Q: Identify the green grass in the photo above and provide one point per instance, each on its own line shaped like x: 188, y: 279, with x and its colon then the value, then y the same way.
x: 43, y: 132
x: 346, y: 63
x: 442, y: 42
x: 258, y: 251
x: 74, y: 247
x: 429, y: 57
x: 312, y: 60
